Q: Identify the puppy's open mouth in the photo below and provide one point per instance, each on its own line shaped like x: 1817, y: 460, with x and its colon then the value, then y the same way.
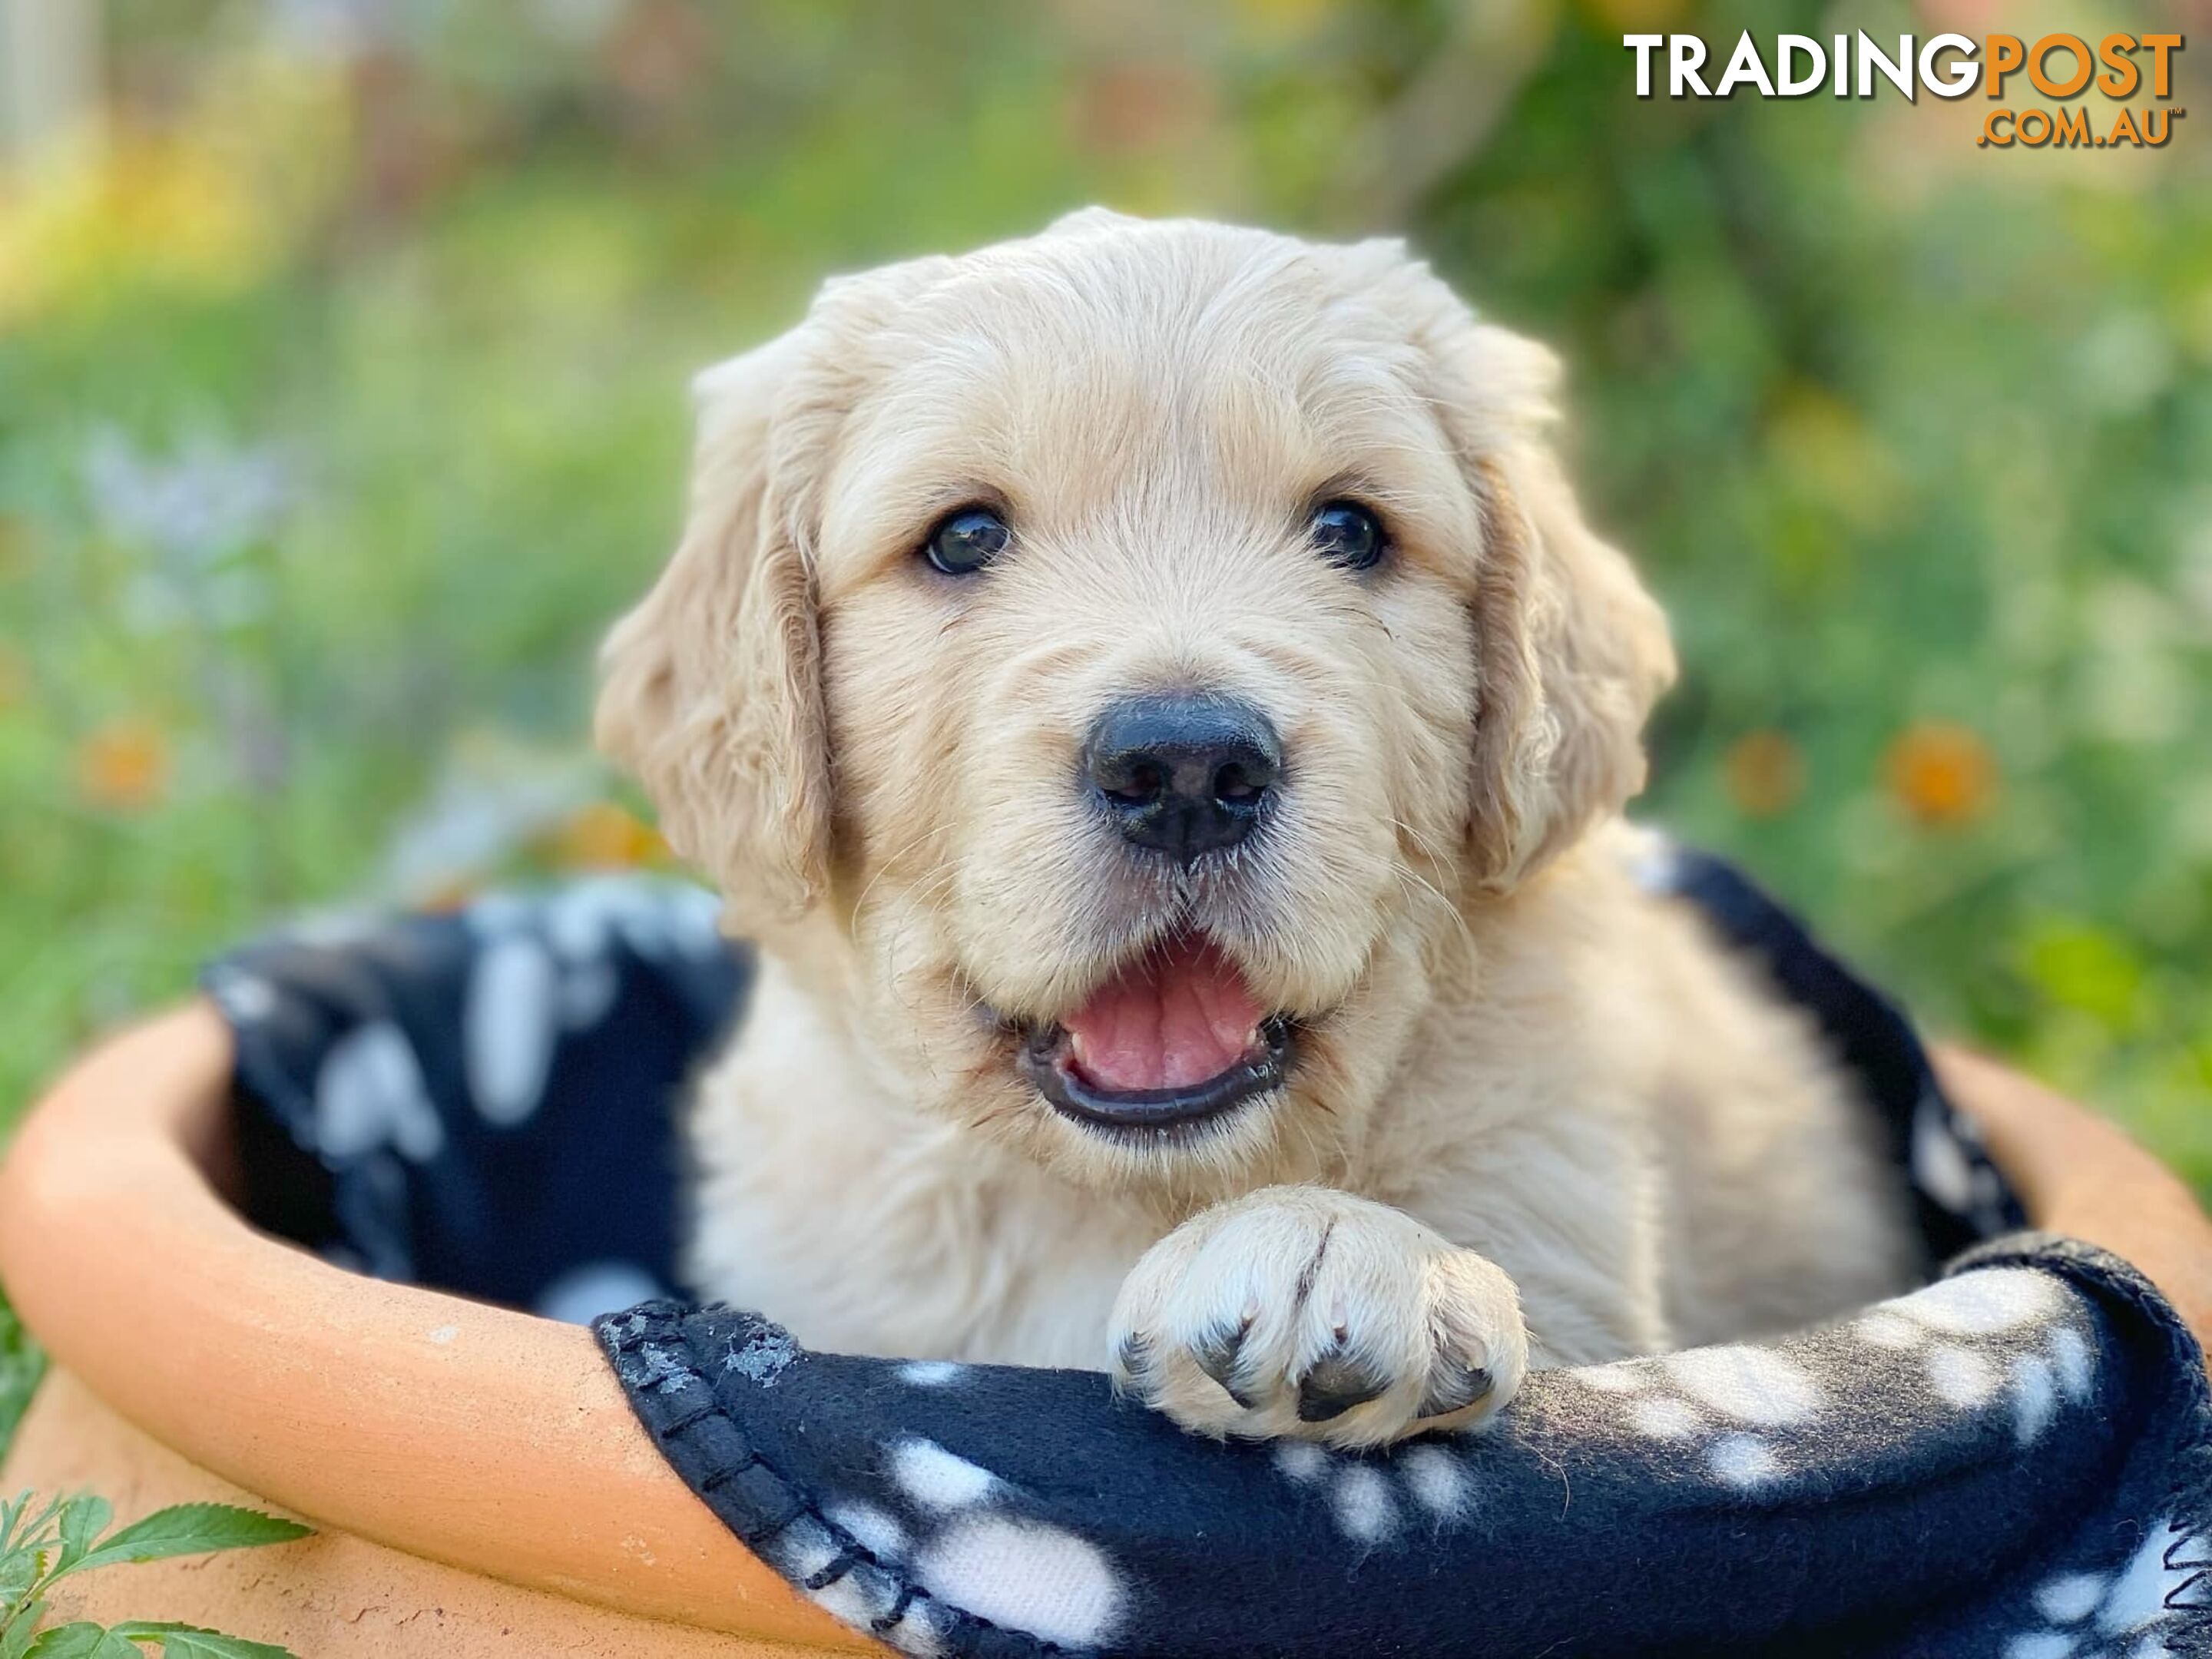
x: 1168, y: 1042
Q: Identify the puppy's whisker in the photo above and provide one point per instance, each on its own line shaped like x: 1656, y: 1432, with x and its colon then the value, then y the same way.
x: 884, y: 868
x: 918, y: 898
x: 1421, y: 842
x: 1411, y: 880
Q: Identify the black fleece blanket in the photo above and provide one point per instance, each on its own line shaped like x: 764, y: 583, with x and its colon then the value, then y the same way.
x: 2015, y: 1462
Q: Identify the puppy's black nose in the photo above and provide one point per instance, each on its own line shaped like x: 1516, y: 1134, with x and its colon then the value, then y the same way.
x: 1183, y: 773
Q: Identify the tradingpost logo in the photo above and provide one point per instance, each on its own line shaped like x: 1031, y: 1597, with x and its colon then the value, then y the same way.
x: 2061, y: 67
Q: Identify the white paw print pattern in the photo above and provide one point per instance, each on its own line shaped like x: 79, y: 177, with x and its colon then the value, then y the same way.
x: 369, y: 1095
x: 1728, y: 1402
x: 964, y: 1545
x: 1378, y: 1501
x: 2137, y: 1611
x: 2046, y: 1362
x: 1994, y: 1339
x: 245, y: 997
x: 1950, y: 1162
x: 545, y: 966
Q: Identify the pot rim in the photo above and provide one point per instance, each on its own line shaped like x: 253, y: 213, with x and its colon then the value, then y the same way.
x: 491, y: 1440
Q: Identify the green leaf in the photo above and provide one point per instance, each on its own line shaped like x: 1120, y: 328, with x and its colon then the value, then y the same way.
x: 191, y: 1642
x: 19, y: 1570
x: 192, y: 1529
x: 37, y: 1531
x: 84, y: 1518
x: 81, y: 1641
x: 15, y: 1636
x: 21, y: 1366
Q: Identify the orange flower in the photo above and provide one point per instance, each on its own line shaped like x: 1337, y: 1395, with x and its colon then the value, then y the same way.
x: 1942, y: 774
x: 1766, y: 773
x: 447, y: 896
x: 124, y: 767
x: 603, y: 836
x: 1129, y: 108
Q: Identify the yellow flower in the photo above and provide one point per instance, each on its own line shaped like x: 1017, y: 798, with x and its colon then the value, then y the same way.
x: 602, y: 836
x: 166, y: 210
x: 1766, y: 773
x: 1825, y: 448
x: 209, y: 203
x: 124, y: 767
x: 1942, y: 774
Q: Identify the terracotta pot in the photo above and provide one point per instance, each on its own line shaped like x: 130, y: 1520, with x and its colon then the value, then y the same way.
x: 479, y: 1483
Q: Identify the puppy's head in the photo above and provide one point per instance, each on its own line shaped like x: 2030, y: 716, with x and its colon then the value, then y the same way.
x: 1115, y: 659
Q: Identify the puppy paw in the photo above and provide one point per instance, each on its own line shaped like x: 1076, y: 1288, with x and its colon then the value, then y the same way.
x: 1300, y: 1312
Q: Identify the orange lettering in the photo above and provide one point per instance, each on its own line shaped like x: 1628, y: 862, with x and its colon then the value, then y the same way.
x: 2161, y: 68
x: 2002, y: 54
x: 2118, y: 52
x: 2038, y: 59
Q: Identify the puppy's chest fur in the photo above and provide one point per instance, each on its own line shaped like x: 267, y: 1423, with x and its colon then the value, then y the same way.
x: 866, y: 1227
x: 1612, y: 1111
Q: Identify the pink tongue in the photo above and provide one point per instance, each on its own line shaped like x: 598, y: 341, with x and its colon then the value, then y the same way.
x: 1169, y: 1022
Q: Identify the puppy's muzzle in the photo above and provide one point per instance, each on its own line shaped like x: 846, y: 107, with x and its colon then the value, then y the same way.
x: 1184, y: 773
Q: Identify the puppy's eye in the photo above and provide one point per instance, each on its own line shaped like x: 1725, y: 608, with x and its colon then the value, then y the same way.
x: 964, y: 543
x: 1348, y: 534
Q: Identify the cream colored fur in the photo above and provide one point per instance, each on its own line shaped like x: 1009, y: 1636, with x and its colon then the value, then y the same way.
x: 1525, y: 1089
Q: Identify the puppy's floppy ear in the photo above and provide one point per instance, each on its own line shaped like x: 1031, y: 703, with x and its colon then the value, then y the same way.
x: 711, y: 688
x: 1572, y: 655
x: 1571, y: 651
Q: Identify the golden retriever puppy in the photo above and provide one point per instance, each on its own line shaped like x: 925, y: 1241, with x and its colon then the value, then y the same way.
x: 1153, y: 699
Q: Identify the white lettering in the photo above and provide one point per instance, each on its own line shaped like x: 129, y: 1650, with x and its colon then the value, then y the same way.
x: 1898, y: 74
x: 1963, y: 74
x: 1643, y: 45
x: 1686, y: 57
x: 1793, y: 45
x: 1744, y: 67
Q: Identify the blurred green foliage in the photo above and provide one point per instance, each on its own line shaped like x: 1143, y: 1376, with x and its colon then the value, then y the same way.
x: 22, y: 1364
x: 340, y: 406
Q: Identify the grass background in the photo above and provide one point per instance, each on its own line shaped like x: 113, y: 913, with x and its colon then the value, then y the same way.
x: 341, y: 367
